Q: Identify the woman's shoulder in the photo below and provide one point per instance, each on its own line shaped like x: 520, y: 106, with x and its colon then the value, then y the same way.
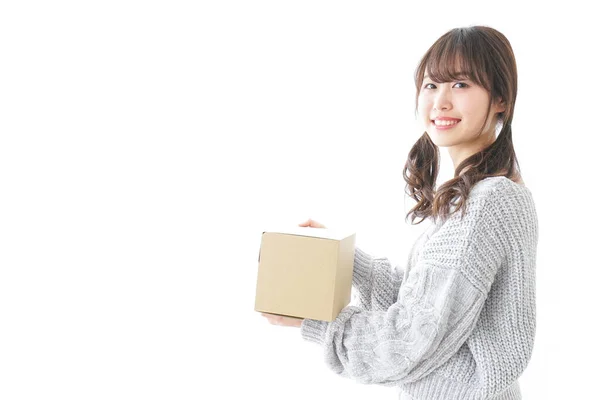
x: 497, y: 194
x: 499, y: 186
x: 503, y: 197
x: 506, y: 205
x: 493, y: 196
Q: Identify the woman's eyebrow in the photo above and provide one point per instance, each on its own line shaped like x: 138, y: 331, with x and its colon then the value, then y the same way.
x: 459, y: 76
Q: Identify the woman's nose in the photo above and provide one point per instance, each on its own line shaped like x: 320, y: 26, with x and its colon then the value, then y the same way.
x: 442, y: 100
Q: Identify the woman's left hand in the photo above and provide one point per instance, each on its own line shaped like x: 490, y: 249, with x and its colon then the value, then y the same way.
x: 283, y: 321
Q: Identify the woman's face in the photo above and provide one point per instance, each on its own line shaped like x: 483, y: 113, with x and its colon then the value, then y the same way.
x: 453, y: 114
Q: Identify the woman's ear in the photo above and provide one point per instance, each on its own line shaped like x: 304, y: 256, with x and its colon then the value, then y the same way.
x: 500, y: 106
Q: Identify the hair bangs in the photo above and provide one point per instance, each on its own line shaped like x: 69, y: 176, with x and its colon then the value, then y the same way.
x: 454, y: 57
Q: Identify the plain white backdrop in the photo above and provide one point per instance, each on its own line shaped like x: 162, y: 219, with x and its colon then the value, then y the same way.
x: 145, y: 145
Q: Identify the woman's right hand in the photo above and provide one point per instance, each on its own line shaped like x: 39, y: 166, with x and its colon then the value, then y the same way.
x: 312, y: 224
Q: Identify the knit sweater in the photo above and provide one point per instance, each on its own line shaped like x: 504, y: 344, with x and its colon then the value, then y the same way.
x: 459, y: 321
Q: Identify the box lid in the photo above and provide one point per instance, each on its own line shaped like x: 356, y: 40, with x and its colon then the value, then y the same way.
x: 323, y: 233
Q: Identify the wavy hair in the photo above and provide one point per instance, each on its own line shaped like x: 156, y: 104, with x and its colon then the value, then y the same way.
x: 485, y: 56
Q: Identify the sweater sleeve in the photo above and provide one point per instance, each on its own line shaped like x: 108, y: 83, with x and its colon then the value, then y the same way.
x: 376, y: 281
x: 437, y: 308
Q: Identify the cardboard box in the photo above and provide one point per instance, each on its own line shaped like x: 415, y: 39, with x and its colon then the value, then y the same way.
x: 305, y: 272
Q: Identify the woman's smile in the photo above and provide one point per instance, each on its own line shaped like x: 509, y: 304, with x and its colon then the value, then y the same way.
x: 445, y: 124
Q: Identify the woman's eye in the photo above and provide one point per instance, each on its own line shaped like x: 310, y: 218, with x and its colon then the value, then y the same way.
x: 432, y: 86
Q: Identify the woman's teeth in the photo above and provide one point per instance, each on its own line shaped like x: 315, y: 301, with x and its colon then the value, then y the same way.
x: 446, y: 123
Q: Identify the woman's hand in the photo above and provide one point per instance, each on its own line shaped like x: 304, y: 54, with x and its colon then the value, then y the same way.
x: 312, y: 224
x: 283, y: 321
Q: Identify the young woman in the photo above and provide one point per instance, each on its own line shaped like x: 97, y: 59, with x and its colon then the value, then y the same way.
x: 459, y: 321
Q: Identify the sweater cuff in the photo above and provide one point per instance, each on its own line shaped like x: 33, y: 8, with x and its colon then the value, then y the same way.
x: 362, y: 267
x: 314, y: 330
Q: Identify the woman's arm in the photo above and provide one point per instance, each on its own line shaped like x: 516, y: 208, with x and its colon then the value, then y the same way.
x: 376, y: 281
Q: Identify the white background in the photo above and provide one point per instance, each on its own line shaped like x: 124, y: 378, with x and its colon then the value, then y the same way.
x: 144, y: 145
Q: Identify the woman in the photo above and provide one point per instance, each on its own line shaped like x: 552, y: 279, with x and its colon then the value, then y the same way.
x: 459, y: 321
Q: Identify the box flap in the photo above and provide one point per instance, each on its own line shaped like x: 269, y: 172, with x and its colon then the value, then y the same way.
x: 323, y: 233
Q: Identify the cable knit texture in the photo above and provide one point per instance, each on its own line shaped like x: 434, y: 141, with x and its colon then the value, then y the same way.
x: 459, y: 321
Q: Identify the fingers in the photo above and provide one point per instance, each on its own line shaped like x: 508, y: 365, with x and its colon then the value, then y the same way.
x: 273, y: 319
x: 282, y: 321
x: 311, y: 223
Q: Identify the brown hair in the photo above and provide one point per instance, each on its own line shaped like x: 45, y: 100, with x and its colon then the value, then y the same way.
x: 485, y: 56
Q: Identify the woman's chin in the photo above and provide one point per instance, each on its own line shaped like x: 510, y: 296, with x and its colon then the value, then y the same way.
x: 437, y: 140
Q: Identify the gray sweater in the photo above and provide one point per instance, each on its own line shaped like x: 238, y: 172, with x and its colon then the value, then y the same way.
x: 459, y: 321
